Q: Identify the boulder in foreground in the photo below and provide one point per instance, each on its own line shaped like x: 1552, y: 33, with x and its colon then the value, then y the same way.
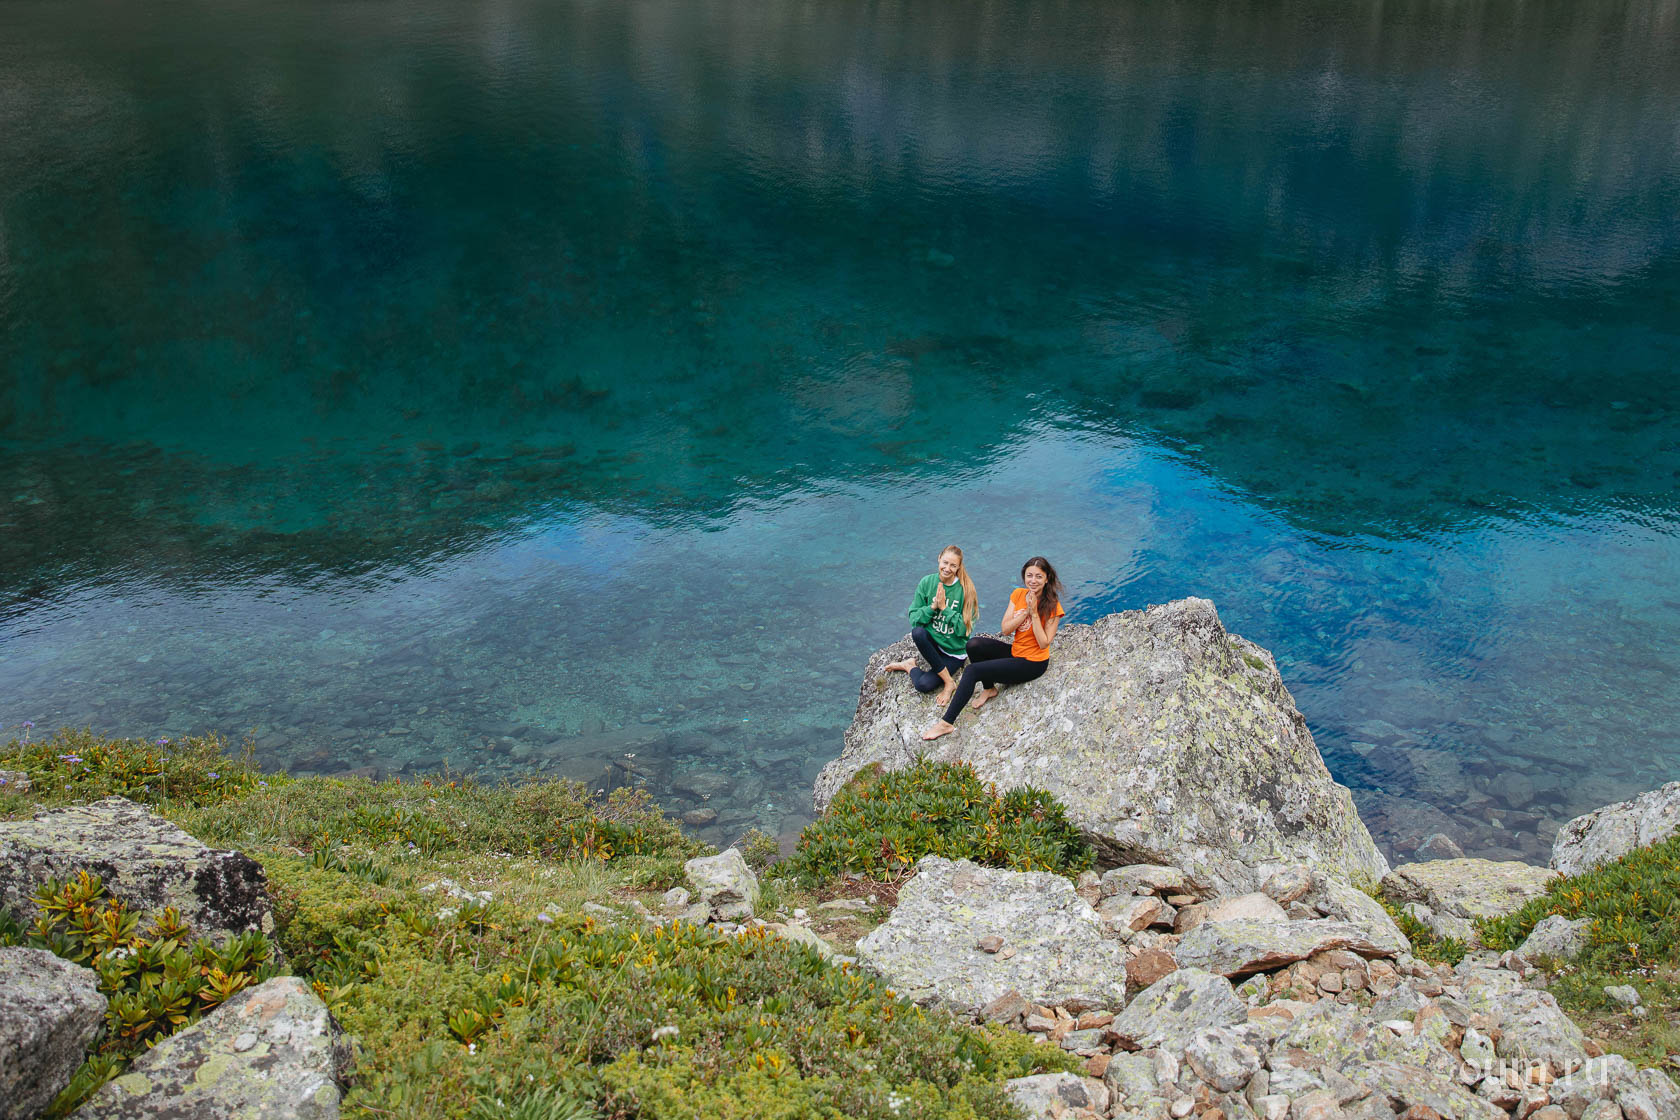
x: 937, y: 947
x: 144, y: 860
x: 1169, y: 740
x: 50, y: 1009
x: 270, y: 1053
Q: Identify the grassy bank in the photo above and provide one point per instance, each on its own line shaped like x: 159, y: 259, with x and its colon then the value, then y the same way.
x: 482, y: 943
x: 551, y: 998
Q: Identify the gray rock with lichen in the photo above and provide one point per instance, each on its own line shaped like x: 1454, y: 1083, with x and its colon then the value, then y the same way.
x: 270, y: 1053
x: 1169, y: 740
x: 1051, y: 1096
x: 726, y: 886
x: 1612, y: 831
x: 50, y: 1009
x: 1342, y: 1037
x: 1244, y: 945
x: 143, y: 859
x: 1170, y: 1011
x: 1051, y: 946
x: 1534, y: 1028
x: 1411, y: 1087
x: 1336, y: 899
x: 1555, y: 938
x: 1468, y: 888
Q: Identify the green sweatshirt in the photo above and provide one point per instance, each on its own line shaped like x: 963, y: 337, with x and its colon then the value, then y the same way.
x: 946, y: 626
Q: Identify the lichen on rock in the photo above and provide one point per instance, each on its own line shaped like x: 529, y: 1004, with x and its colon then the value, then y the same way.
x: 1050, y: 947
x: 272, y: 1052
x: 144, y: 860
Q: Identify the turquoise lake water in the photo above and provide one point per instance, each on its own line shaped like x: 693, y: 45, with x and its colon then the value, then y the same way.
x: 580, y: 388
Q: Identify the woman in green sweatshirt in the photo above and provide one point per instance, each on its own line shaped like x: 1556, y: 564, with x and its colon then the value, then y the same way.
x: 941, y: 615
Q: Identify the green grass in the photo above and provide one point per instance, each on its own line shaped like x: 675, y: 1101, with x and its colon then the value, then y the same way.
x: 1633, y: 904
x: 531, y: 1005
x: 881, y: 823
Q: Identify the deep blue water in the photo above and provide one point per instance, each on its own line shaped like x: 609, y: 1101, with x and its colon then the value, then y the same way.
x: 551, y: 385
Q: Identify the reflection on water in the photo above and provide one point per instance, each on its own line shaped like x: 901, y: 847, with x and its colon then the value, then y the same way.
x: 580, y: 388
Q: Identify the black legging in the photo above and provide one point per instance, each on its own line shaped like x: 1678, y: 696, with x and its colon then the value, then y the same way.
x: 938, y: 658
x: 990, y: 663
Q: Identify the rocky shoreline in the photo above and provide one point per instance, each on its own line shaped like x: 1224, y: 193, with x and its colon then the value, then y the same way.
x: 1225, y: 959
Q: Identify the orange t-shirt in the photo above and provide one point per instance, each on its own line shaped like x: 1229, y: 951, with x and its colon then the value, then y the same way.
x: 1026, y: 642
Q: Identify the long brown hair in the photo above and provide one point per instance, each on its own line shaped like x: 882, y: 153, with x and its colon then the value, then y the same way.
x: 1052, y: 593
x: 971, y: 597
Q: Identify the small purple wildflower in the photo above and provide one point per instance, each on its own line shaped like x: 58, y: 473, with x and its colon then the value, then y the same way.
x: 214, y: 775
x: 70, y: 757
x: 264, y: 785
x: 163, y: 742
x: 28, y: 723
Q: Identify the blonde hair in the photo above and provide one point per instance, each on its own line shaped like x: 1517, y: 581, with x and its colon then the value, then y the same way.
x: 971, y: 597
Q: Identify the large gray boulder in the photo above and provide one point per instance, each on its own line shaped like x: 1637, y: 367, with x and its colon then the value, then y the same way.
x: 144, y: 860
x: 1611, y: 832
x: 1534, y: 1028
x: 1468, y: 888
x: 270, y: 1053
x: 1050, y: 945
x: 1169, y: 740
x: 50, y: 1009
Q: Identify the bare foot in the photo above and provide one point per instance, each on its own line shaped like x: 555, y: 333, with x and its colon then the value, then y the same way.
x: 981, y: 696
x: 899, y: 666
x: 940, y: 728
x: 943, y: 700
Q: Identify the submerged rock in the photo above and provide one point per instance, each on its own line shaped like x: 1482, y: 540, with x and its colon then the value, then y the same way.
x: 270, y: 1053
x: 1169, y: 740
x: 143, y: 859
x: 50, y: 1009
x: 1611, y: 832
x: 1052, y: 947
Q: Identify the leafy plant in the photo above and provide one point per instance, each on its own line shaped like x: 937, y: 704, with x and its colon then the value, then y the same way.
x: 155, y: 981
x: 1426, y: 946
x: 881, y: 825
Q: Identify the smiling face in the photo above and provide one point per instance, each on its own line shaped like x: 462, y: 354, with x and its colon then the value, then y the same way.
x: 1034, y: 577
x: 949, y: 564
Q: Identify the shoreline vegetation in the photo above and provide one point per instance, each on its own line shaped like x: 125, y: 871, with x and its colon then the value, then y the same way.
x: 487, y: 949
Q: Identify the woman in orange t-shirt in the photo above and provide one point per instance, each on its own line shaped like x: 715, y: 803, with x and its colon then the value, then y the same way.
x: 1035, y: 611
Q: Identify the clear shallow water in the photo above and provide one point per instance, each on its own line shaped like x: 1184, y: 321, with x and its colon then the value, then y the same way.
x: 578, y: 388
